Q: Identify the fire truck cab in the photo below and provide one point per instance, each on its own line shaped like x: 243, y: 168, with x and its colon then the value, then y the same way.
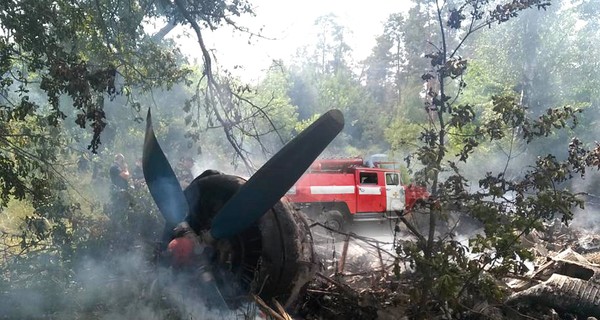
x: 338, y: 191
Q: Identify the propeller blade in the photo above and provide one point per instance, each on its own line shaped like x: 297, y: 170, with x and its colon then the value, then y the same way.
x: 161, y: 180
x: 276, y: 177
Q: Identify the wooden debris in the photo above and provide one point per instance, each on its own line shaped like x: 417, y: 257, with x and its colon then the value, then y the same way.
x: 344, y: 254
x: 282, y: 312
x: 269, y: 311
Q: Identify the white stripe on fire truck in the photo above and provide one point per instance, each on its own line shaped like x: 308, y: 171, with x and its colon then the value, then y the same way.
x: 369, y: 190
x: 332, y: 189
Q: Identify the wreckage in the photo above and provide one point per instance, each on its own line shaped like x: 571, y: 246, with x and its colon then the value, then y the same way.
x: 240, y: 236
x: 244, y: 240
x: 568, y: 283
x: 566, y: 273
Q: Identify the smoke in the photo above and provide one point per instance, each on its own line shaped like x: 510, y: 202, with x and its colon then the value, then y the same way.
x: 206, y: 162
x: 588, y: 218
x: 126, y: 286
x: 522, y: 157
x: 101, y: 271
x: 370, y: 248
x: 106, y: 272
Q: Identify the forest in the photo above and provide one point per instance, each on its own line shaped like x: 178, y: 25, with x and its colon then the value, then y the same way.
x: 492, y: 105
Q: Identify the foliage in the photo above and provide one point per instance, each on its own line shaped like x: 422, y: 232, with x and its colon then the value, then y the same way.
x: 323, y: 77
x: 553, y: 76
x: 403, y: 134
x: 65, y: 66
x: 75, y: 53
x: 454, y: 274
x: 54, y: 54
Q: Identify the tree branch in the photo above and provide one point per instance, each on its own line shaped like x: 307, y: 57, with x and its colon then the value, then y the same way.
x: 213, y: 85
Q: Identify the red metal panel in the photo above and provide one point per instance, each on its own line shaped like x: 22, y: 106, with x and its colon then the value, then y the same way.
x: 306, y: 192
x: 371, y: 197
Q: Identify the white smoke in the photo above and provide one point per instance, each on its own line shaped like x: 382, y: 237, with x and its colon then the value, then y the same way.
x: 128, y: 286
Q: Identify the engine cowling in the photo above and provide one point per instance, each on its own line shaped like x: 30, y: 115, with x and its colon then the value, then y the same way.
x: 274, y: 258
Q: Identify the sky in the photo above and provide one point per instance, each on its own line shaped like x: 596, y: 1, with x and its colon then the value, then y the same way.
x: 289, y: 25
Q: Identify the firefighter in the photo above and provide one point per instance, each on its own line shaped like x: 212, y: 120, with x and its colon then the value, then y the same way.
x: 119, y: 177
x: 119, y: 173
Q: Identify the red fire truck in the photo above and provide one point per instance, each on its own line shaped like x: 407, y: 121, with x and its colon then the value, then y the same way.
x: 338, y: 191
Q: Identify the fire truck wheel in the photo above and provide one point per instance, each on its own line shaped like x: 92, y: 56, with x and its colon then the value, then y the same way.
x: 334, y: 220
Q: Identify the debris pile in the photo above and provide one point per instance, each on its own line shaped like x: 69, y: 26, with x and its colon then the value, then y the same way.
x: 357, y: 279
x: 565, y: 279
x: 568, y: 283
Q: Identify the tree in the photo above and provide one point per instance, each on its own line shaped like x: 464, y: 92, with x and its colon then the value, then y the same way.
x: 561, y: 77
x: 331, y: 48
x: 452, y: 275
x: 64, y: 62
x: 267, y: 118
x: 393, y: 74
x: 89, y: 53
x: 377, y: 71
x: 385, y: 68
x: 317, y: 65
x: 323, y: 78
x: 83, y: 53
x: 66, y: 66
